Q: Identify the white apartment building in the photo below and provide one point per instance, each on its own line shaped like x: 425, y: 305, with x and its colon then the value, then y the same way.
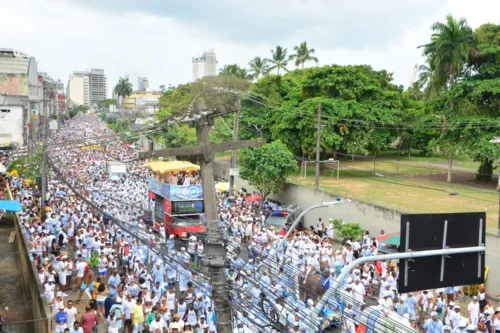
x: 206, y: 65
x: 139, y: 83
x: 87, y: 87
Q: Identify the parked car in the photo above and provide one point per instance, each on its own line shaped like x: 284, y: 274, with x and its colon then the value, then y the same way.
x: 282, y: 219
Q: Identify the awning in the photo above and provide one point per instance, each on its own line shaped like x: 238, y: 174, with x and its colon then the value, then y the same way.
x: 390, y: 239
x: 11, y: 205
x: 172, y: 166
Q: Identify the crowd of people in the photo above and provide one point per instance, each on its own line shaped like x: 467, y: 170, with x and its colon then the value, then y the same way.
x: 91, y: 238
x: 290, y: 278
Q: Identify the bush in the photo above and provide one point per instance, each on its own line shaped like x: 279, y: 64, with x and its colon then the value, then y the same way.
x: 345, y: 230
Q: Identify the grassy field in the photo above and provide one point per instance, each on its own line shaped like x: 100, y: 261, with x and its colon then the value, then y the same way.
x: 415, y: 184
x: 413, y: 191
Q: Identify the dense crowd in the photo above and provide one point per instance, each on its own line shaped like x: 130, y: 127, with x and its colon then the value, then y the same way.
x: 93, y: 239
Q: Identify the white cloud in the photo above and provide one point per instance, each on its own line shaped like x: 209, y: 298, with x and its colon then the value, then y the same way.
x: 65, y: 37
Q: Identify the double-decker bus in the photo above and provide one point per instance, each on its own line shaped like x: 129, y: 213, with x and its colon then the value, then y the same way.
x: 177, y: 192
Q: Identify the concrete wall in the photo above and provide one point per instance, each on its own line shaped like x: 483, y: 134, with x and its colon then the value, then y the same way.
x: 371, y: 217
x: 11, y: 127
x: 42, y: 316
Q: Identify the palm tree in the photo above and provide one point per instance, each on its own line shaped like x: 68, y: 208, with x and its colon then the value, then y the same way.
x: 123, y: 88
x: 429, y: 81
x: 236, y: 71
x: 303, y: 54
x: 279, y: 59
x: 258, y: 66
x: 447, y: 53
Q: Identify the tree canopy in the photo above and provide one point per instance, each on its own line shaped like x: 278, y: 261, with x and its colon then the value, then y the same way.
x: 358, y: 103
x: 470, y: 87
x: 267, y: 167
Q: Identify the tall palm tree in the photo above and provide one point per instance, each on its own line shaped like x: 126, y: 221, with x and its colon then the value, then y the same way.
x: 235, y: 70
x: 279, y: 59
x: 447, y: 53
x: 303, y: 54
x: 258, y: 67
x: 123, y: 88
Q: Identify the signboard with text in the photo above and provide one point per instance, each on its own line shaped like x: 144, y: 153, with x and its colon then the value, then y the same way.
x: 187, y: 207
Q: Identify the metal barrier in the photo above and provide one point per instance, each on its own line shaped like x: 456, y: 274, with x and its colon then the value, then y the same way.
x: 42, y: 316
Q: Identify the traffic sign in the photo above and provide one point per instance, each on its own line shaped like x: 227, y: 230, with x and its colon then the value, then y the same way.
x: 420, y: 232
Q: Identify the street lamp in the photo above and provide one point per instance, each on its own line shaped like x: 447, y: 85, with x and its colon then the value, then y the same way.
x: 274, y: 250
x: 497, y: 141
x: 294, y: 224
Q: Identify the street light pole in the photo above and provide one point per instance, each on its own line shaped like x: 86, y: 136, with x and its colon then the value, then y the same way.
x: 318, y: 148
x: 297, y: 220
x: 275, y: 250
x: 234, y: 153
x: 346, y: 270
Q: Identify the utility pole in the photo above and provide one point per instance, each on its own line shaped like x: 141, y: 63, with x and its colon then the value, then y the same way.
x: 234, y: 153
x: 44, y: 158
x: 318, y: 148
x: 214, y: 246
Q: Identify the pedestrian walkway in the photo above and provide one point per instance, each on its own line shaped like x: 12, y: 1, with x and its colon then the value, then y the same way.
x: 13, y: 301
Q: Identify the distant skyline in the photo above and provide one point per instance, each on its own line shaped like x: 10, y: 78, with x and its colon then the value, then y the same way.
x: 158, y: 39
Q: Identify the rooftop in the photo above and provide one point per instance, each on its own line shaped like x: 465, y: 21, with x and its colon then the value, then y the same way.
x: 13, y: 62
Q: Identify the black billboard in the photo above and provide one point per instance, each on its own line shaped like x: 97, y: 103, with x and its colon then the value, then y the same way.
x: 421, y: 232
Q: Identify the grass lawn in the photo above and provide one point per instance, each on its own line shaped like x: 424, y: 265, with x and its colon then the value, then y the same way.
x: 225, y: 155
x: 412, y: 194
x: 416, y: 155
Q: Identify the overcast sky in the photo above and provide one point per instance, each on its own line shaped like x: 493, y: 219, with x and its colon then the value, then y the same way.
x: 158, y: 38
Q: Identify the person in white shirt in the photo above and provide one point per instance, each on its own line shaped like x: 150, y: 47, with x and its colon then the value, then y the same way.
x: 320, y: 227
x: 71, y: 313
x: 76, y: 328
x: 385, y: 303
x: 455, y: 317
x: 158, y: 324
x: 473, y: 311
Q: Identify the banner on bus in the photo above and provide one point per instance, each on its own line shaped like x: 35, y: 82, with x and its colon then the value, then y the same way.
x: 175, y: 193
x: 94, y: 147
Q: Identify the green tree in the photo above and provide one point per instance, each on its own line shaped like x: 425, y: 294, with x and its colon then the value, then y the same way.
x: 267, y: 167
x: 279, y: 59
x: 344, y: 230
x: 477, y: 97
x: 123, y: 88
x: 258, y: 67
x: 105, y: 103
x: 78, y: 109
x: 28, y: 167
x: 303, y: 54
x: 447, y: 53
x: 236, y: 71
x: 359, y: 105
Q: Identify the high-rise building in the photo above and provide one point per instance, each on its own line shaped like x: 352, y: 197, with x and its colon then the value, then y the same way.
x: 206, y: 65
x: 134, y: 80
x: 138, y: 83
x: 87, y: 87
x: 143, y: 84
x: 77, y: 89
x: 97, y: 85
